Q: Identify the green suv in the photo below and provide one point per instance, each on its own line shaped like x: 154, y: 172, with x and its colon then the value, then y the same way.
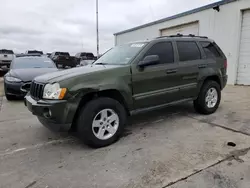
x: 95, y: 100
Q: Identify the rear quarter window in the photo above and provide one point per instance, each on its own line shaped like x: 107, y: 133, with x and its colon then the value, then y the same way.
x: 210, y: 50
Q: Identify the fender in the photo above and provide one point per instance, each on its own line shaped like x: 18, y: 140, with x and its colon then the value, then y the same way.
x: 209, y: 72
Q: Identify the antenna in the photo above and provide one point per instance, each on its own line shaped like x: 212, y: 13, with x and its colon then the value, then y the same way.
x: 97, y: 30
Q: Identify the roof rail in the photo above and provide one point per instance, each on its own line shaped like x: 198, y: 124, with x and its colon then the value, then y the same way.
x: 181, y: 35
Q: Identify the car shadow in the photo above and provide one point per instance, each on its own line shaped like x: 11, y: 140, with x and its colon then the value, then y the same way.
x: 148, y: 119
x: 143, y: 120
x: 156, y: 115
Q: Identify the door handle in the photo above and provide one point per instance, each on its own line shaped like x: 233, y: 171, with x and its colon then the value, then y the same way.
x: 171, y: 71
x: 202, y: 66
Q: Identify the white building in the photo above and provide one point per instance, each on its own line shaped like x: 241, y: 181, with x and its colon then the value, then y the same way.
x: 227, y: 22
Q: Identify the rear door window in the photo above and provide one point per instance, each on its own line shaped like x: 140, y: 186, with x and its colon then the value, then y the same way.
x: 188, y: 50
x: 164, y: 50
x: 210, y: 50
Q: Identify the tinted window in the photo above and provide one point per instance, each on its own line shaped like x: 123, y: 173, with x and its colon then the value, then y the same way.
x: 210, y: 50
x: 25, y: 63
x: 64, y: 54
x: 188, y: 51
x: 35, y: 52
x: 164, y: 50
x: 6, y: 52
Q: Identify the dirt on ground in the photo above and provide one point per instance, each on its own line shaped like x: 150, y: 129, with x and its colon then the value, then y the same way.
x: 1, y: 87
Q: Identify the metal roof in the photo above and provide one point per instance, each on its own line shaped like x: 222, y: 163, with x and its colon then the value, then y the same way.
x: 223, y: 2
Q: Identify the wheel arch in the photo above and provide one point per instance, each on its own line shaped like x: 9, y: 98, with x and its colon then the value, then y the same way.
x: 215, y: 78
x: 110, y: 93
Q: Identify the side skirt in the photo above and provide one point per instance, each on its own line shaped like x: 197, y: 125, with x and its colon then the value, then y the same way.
x: 143, y: 110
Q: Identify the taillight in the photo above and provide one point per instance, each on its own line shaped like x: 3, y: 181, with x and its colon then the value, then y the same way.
x: 225, y: 64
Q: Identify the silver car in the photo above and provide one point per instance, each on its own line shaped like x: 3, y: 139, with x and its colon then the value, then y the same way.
x: 6, y: 57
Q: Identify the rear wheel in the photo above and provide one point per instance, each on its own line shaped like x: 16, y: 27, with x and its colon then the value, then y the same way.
x: 101, y: 122
x: 209, y: 98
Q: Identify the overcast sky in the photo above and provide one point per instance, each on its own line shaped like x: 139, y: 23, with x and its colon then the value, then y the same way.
x: 69, y: 25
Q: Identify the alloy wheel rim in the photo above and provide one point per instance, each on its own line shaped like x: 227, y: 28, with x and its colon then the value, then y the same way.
x: 105, y: 124
x: 211, y: 98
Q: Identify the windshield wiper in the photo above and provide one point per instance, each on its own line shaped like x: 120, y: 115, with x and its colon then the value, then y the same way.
x: 100, y: 63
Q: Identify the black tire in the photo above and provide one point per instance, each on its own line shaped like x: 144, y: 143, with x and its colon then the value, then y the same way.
x: 200, y: 103
x: 87, y: 115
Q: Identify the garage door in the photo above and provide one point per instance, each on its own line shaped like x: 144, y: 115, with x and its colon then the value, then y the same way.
x: 185, y: 29
x: 243, y: 75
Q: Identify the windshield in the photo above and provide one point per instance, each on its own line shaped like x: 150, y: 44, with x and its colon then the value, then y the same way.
x: 87, y: 62
x: 120, y: 54
x: 25, y: 63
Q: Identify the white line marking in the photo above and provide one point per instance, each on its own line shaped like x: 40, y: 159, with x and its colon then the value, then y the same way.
x: 14, y: 151
x: 157, y: 121
x: 4, y: 154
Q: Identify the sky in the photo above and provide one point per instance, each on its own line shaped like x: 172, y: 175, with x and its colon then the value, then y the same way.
x: 69, y: 25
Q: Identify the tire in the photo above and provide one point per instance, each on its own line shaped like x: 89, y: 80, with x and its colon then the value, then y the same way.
x: 93, y: 111
x: 201, y: 105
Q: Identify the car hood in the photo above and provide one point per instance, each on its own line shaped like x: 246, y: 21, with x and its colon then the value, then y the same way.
x: 73, y: 72
x: 29, y: 74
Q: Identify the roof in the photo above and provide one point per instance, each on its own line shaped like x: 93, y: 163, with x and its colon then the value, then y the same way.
x: 29, y: 56
x: 223, y: 2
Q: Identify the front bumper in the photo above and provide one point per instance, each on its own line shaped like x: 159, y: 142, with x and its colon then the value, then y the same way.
x: 53, y: 114
x: 5, y: 64
x: 12, y: 88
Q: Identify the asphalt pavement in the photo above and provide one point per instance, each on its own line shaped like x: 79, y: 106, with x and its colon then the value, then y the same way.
x: 173, y: 147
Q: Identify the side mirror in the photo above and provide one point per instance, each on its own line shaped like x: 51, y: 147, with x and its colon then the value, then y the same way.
x: 149, y: 60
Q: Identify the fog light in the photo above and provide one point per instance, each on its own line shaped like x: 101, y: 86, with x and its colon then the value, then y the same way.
x: 47, y: 113
x: 50, y: 113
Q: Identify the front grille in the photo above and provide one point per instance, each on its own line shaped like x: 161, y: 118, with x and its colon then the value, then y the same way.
x: 36, y: 90
x: 26, y: 87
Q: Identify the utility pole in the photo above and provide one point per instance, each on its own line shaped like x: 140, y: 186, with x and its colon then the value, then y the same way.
x: 97, y: 30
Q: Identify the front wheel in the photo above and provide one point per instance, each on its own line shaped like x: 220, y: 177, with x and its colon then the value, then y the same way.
x: 209, y: 98
x: 101, y: 122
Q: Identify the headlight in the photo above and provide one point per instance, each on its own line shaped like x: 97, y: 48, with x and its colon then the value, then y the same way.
x: 12, y: 79
x: 53, y: 91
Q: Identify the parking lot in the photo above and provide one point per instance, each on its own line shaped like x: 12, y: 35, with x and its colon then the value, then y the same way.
x: 173, y: 147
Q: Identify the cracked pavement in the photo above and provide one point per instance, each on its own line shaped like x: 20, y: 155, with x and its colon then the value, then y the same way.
x: 174, y: 147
